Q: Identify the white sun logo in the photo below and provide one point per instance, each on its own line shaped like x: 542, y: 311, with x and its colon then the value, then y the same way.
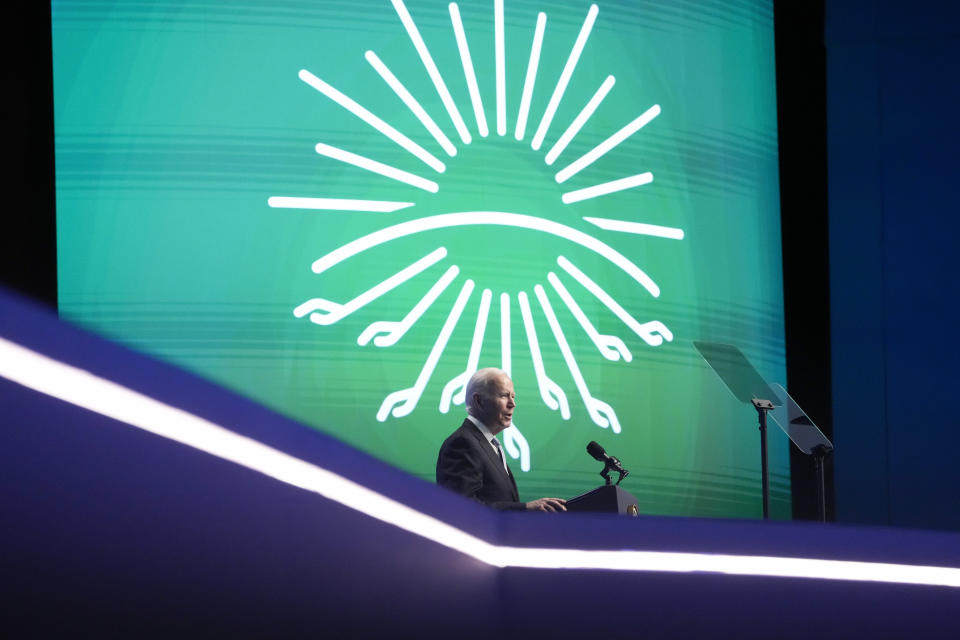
x: 386, y: 333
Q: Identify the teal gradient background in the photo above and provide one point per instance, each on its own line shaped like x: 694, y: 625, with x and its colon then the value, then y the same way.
x: 175, y: 122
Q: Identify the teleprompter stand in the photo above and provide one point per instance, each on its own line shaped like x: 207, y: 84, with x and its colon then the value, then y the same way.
x: 748, y: 386
x: 802, y: 432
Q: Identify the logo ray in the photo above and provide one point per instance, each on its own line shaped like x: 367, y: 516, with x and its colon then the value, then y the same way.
x: 402, y: 403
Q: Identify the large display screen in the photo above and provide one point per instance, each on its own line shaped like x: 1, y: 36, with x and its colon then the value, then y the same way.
x: 343, y: 209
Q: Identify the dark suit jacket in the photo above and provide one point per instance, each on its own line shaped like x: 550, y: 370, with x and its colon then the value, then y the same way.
x: 469, y: 465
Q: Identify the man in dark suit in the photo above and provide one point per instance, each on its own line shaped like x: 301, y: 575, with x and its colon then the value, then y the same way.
x: 471, y: 461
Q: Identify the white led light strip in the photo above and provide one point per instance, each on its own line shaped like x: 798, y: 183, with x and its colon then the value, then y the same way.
x: 83, y: 389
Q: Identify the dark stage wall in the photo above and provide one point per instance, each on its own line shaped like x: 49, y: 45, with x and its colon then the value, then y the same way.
x: 893, y: 100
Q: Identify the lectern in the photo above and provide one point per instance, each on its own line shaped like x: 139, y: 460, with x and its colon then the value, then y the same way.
x: 607, y: 499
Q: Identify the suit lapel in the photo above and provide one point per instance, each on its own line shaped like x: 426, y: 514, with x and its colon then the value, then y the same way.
x: 513, y: 481
x: 508, y: 473
x: 485, y: 446
x: 492, y: 455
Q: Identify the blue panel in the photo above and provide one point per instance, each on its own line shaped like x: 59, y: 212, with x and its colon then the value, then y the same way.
x: 921, y: 103
x: 856, y: 285
x: 917, y: 19
x: 893, y: 101
x: 849, y: 21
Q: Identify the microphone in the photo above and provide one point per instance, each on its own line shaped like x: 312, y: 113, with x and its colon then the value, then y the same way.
x: 609, y: 461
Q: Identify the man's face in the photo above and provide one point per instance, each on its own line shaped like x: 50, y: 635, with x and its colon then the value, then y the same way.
x: 496, y: 407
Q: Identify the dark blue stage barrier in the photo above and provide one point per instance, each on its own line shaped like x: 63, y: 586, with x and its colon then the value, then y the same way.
x: 110, y: 528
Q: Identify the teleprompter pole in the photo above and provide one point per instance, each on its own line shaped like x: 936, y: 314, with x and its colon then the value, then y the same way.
x: 819, y: 453
x: 762, y: 406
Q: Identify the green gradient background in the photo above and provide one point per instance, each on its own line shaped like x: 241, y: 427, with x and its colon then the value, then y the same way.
x: 176, y: 121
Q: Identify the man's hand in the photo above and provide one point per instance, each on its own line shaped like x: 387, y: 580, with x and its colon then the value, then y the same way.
x: 547, y: 504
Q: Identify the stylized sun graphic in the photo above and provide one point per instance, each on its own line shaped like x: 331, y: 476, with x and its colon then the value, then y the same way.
x: 534, y: 298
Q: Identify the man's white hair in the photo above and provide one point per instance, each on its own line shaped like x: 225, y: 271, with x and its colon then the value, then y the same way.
x: 481, y: 383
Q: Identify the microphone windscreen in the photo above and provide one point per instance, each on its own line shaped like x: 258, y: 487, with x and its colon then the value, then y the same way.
x: 596, y: 451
